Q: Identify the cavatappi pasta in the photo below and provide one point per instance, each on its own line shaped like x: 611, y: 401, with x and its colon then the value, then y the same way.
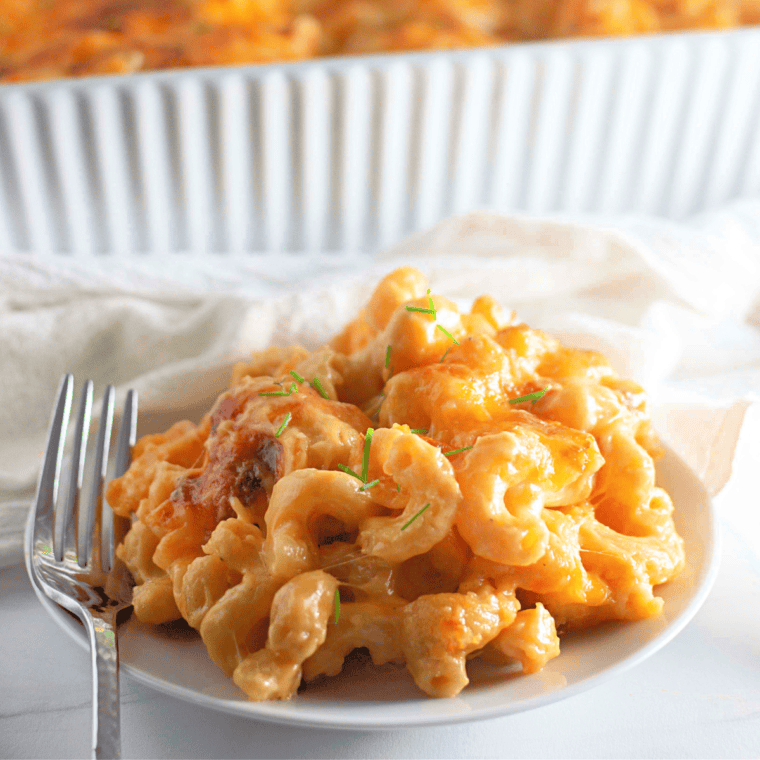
x: 43, y: 39
x: 547, y: 517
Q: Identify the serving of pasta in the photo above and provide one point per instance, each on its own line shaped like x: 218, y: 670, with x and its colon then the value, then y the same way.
x: 431, y: 486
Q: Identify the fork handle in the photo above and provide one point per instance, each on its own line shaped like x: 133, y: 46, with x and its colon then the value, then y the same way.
x: 104, y: 647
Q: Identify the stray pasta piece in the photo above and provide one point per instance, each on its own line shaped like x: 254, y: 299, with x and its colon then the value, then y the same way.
x: 504, y: 491
x: 531, y: 639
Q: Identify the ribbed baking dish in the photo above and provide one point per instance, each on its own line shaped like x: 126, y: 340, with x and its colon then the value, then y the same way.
x: 351, y: 154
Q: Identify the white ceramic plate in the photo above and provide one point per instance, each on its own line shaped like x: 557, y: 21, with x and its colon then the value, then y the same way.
x: 366, y: 697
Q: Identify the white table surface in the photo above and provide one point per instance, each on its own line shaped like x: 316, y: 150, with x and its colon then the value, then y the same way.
x: 698, y: 697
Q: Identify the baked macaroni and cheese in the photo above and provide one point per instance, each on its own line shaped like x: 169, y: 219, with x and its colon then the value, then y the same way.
x: 43, y: 39
x: 432, y: 486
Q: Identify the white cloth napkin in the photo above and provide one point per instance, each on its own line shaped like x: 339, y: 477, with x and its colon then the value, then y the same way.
x: 675, y: 306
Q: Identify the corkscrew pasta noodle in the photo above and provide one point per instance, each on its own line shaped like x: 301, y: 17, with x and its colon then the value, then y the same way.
x: 413, y: 511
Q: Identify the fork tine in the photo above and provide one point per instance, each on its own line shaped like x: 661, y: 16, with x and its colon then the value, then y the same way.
x: 125, y: 442
x: 66, y: 513
x: 94, y: 497
x: 47, y: 488
x: 127, y: 434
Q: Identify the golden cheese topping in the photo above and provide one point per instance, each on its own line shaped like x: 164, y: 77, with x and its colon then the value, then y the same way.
x: 396, y: 490
x: 45, y: 39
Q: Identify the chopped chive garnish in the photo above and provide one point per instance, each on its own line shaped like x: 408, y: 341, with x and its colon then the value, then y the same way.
x: 349, y: 471
x: 409, y: 522
x: 337, y: 606
x: 430, y: 301
x: 419, y: 431
x: 292, y: 390
x: 387, y: 356
x: 297, y: 376
x: 316, y: 383
x: 420, y: 309
x: 456, y: 451
x: 447, y: 333
x: 365, y: 459
x: 369, y: 485
x: 398, y: 487
x: 444, y: 354
x: 530, y: 397
x: 282, y: 427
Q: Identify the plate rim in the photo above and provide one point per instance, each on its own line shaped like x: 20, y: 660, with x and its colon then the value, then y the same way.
x: 267, y: 711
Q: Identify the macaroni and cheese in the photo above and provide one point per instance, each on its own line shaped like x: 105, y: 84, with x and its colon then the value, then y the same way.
x: 433, y: 485
x: 43, y: 39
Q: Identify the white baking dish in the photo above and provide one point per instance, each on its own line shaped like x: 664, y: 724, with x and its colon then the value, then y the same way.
x: 354, y: 153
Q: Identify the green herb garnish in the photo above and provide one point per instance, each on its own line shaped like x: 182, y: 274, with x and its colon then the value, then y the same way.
x: 444, y: 354
x: 369, y: 485
x: 316, y: 383
x: 419, y: 431
x: 530, y: 397
x: 430, y: 301
x: 421, y: 310
x: 447, y: 333
x: 337, y: 606
x: 409, y: 522
x: 282, y: 427
x: 297, y: 376
x: 387, y: 356
x: 365, y: 458
x: 292, y: 390
x: 456, y: 451
x: 349, y: 471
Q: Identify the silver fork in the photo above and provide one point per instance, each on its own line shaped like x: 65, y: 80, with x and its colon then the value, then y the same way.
x: 76, y: 568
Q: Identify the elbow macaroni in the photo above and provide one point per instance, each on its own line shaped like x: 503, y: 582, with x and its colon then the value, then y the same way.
x: 548, y: 519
